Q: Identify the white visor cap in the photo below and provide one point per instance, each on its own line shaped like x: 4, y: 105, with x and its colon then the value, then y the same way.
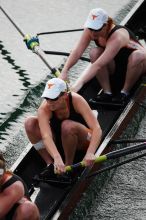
x: 53, y: 88
x: 96, y: 19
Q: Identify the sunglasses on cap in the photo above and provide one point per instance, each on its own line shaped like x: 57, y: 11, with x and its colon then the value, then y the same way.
x: 53, y: 100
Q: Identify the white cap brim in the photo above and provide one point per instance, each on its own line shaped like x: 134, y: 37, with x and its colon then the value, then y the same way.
x: 93, y: 25
x: 50, y: 95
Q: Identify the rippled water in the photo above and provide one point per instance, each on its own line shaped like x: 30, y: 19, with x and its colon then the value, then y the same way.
x: 22, y: 79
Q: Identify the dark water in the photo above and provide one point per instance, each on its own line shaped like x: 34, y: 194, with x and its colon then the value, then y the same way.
x: 22, y: 79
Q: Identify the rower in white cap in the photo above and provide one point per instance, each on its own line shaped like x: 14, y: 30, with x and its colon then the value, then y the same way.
x: 66, y: 116
x: 117, y: 54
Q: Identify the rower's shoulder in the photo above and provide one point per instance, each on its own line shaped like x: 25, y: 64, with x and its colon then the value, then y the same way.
x: 42, y: 106
x: 44, y: 110
x: 75, y: 95
x: 86, y: 34
x: 77, y: 98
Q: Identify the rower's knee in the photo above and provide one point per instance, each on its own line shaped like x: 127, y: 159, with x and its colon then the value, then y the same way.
x: 136, y: 59
x: 67, y: 128
x: 30, y: 124
x: 95, y: 53
x: 28, y: 210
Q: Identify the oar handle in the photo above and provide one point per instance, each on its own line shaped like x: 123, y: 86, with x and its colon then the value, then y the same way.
x: 99, y: 159
x: 109, y: 156
x: 116, y: 165
x: 75, y: 166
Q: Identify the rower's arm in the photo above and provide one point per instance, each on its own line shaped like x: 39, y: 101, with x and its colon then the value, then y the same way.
x: 44, y: 116
x: 82, y: 107
x: 76, y: 53
x: 46, y: 133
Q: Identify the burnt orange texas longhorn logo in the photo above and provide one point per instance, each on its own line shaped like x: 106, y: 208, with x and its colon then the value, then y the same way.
x: 94, y: 17
x: 50, y: 85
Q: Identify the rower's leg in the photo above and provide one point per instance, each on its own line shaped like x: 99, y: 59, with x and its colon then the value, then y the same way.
x: 74, y: 136
x: 33, y: 132
x: 69, y: 140
x: 82, y: 79
x: 32, y: 129
x: 102, y: 75
x: 26, y: 211
x: 136, y: 67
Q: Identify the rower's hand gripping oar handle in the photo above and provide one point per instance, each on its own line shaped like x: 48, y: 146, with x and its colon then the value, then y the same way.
x: 111, y: 155
x: 82, y: 164
x: 32, y: 43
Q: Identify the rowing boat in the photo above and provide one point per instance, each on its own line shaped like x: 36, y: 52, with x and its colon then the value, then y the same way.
x: 57, y: 201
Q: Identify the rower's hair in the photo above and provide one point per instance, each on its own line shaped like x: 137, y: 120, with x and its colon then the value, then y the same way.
x: 110, y: 22
x: 2, y: 161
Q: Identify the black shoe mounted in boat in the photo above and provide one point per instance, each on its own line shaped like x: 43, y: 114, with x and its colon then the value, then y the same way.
x: 104, y: 97
x: 121, y: 98
x: 110, y: 101
x: 48, y: 176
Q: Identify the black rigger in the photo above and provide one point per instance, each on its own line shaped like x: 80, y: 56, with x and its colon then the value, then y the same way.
x: 126, y: 151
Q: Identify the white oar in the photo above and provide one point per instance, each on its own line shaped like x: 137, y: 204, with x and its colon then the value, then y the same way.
x: 34, y: 44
